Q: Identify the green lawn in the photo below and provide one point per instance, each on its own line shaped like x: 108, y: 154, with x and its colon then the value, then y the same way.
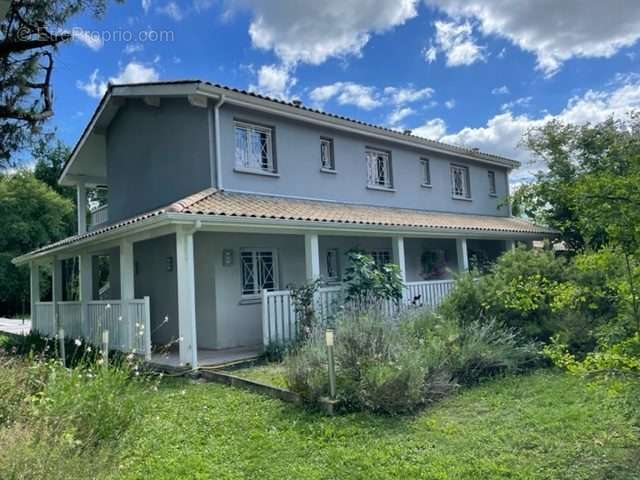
x: 546, y: 425
x: 270, y: 374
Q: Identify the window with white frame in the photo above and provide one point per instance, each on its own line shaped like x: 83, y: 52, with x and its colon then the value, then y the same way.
x: 259, y: 270
x: 460, y: 181
x: 379, y: 169
x: 381, y: 257
x: 492, y: 183
x: 254, y: 147
x: 327, y: 161
x: 426, y: 172
x: 333, y: 272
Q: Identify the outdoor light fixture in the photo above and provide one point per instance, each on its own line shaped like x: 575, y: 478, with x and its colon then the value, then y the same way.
x: 329, y: 339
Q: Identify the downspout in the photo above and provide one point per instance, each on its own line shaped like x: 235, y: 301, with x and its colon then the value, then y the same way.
x: 216, y: 110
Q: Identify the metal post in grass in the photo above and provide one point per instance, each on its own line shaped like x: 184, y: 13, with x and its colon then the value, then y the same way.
x: 63, y: 356
x: 105, y: 348
x: 329, y: 338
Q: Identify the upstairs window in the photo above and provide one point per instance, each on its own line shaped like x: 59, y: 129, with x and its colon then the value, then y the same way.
x: 426, y: 172
x: 254, y: 148
x: 460, y: 182
x: 379, y: 169
x: 259, y: 270
x: 492, y: 183
x: 327, y: 161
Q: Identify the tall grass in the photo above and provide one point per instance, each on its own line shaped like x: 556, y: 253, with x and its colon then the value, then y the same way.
x: 58, y: 422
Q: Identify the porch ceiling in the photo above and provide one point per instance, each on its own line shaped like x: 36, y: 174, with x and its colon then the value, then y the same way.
x: 221, y: 206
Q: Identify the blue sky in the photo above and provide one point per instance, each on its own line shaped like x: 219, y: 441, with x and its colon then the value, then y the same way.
x: 470, y: 72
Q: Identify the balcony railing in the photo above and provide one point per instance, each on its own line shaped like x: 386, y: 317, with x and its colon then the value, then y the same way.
x: 98, y: 217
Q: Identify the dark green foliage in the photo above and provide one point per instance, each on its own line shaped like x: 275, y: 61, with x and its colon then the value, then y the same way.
x: 303, y: 301
x: 519, y: 290
x: 31, y: 215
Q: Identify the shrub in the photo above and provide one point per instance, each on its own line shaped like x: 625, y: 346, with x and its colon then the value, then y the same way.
x: 393, y: 386
x: 369, y: 285
x: 306, y: 368
x: 395, y: 365
x: 471, y: 351
x: 520, y: 290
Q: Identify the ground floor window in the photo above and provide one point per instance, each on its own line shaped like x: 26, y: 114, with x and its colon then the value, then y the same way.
x: 259, y: 270
x: 381, y: 257
x: 332, y: 265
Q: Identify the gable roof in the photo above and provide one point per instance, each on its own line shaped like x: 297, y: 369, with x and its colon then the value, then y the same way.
x: 227, y: 207
x: 256, y: 100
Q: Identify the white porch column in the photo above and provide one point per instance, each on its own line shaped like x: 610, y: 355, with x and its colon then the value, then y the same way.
x: 510, y: 245
x: 126, y: 270
x: 186, y: 298
x: 461, y: 252
x: 127, y: 288
x: 397, y: 245
x: 312, y: 256
x: 35, y: 292
x: 82, y: 208
x: 86, y: 290
x: 56, y: 292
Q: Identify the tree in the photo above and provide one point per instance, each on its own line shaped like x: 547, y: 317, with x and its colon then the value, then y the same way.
x: 29, y: 36
x: 50, y: 158
x: 31, y: 215
x: 571, y: 154
x: 591, y: 188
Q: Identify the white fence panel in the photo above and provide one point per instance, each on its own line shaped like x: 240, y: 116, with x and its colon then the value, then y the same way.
x: 428, y: 294
x: 70, y: 317
x: 45, y: 318
x: 279, y: 322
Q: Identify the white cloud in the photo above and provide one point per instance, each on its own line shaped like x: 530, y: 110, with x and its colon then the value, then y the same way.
x: 434, y: 129
x: 368, y: 97
x: 554, y: 31
x: 347, y: 93
x: 522, y: 102
x: 400, y: 96
x: 133, y: 72
x: 132, y: 48
x: 172, y: 10
x: 456, y: 42
x: 399, y: 114
x: 503, y: 132
x: 146, y: 5
x: 450, y: 104
x: 503, y: 90
x: 312, y: 32
x: 89, y: 39
x: 274, y: 81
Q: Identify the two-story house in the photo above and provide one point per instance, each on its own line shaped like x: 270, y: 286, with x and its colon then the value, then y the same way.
x: 218, y: 199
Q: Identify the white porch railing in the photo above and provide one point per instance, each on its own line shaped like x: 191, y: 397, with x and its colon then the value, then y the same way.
x: 99, y: 216
x: 280, y: 323
x: 128, y: 322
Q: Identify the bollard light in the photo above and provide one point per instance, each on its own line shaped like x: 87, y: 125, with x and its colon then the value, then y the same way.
x: 329, y: 339
x: 328, y: 336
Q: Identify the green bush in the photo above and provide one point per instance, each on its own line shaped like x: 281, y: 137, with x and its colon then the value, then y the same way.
x: 396, y: 365
x: 306, y: 368
x: 519, y: 290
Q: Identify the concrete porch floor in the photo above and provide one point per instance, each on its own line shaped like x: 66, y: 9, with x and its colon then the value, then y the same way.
x: 209, y: 358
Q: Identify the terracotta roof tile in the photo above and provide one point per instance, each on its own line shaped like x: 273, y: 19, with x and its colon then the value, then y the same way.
x: 212, y: 202
x: 230, y: 204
